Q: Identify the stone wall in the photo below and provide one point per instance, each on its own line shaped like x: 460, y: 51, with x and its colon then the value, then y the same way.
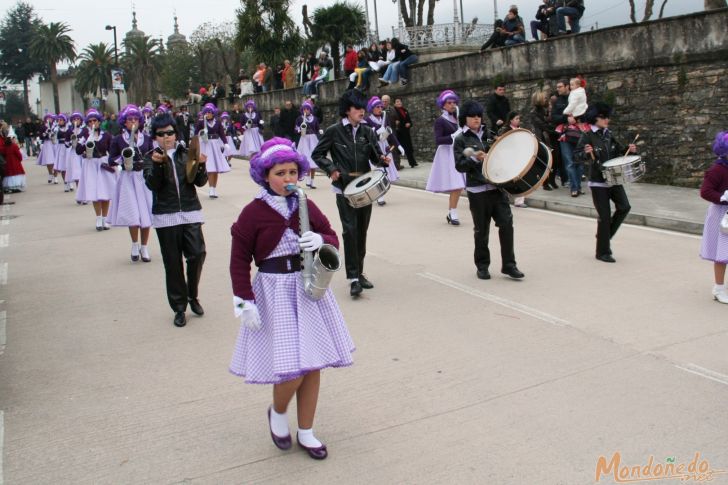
x: 666, y: 79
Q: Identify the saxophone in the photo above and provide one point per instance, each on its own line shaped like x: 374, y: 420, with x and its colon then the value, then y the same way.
x: 316, y: 273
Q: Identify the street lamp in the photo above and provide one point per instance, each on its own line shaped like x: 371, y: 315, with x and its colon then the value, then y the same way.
x: 116, y: 64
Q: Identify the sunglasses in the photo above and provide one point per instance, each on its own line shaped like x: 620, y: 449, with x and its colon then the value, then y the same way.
x: 165, y: 133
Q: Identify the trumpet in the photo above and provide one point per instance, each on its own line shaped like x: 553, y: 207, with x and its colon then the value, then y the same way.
x: 303, y: 128
x: 203, y: 134
x: 90, y: 146
x: 74, y: 140
x: 249, y: 124
x: 128, y: 155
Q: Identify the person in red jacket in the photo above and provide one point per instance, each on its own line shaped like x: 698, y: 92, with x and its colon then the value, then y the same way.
x: 12, y: 174
x: 350, y: 60
x: 285, y: 337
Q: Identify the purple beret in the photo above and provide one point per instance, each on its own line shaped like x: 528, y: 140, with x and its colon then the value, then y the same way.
x: 224, y: 115
x: 373, y: 103
x: 49, y: 116
x: 445, y: 96
x: 720, y: 145
x: 131, y: 111
x: 76, y: 115
x: 62, y: 117
x: 274, y: 151
x: 93, y: 114
x: 250, y: 102
x: 306, y: 105
x: 209, y: 108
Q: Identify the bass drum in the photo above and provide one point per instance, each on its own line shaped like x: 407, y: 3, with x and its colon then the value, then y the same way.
x: 518, y: 163
x: 365, y: 189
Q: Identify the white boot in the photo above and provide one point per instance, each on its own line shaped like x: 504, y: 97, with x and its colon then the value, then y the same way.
x: 72, y: 186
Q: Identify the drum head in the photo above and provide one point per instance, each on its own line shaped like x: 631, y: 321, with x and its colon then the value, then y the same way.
x: 510, y: 156
x: 363, y: 182
x: 615, y: 162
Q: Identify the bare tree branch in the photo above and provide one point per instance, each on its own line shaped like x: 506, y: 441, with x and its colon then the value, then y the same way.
x: 631, y: 12
x: 662, y: 8
x: 648, y: 10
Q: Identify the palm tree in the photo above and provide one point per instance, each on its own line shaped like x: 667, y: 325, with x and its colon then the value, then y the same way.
x: 340, y: 24
x: 142, y: 62
x: 94, y: 70
x: 52, y: 44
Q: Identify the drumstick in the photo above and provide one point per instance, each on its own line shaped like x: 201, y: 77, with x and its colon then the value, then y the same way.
x: 633, y: 142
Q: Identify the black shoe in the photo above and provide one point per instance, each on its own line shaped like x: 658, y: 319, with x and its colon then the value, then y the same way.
x: 607, y: 258
x: 547, y: 187
x: 179, y: 319
x: 450, y: 220
x: 380, y: 203
x: 483, y: 274
x: 365, y: 283
x: 196, y: 307
x: 413, y: 165
x: 513, y: 272
x: 356, y: 289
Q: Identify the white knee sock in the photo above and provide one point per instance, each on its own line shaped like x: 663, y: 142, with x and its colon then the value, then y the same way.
x: 279, y: 423
x: 306, y: 437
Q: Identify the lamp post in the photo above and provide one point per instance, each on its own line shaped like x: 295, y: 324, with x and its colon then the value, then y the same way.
x: 116, y: 65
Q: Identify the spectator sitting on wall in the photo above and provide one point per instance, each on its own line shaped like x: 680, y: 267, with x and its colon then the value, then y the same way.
x: 574, y: 9
x: 321, y: 76
x: 359, y: 79
x: 542, y: 23
x: 246, y: 86
x: 513, y: 27
x: 350, y: 60
x: 497, y: 38
x: 278, y: 77
x: 193, y: 98
x: 289, y: 75
x: 405, y: 57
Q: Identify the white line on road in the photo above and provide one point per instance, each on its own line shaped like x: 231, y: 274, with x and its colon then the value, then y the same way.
x: 2, y: 440
x: 3, y: 319
x: 5, y: 222
x: 703, y: 372
x: 4, y: 240
x: 545, y: 317
x: 3, y: 273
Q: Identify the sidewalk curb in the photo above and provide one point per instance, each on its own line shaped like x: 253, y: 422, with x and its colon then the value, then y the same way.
x: 633, y: 218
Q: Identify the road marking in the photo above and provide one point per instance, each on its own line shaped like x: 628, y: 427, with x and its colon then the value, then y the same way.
x: 3, y: 273
x: 703, y: 372
x: 4, y: 240
x: 2, y: 440
x: 3, y: 318
x: 512, y: 305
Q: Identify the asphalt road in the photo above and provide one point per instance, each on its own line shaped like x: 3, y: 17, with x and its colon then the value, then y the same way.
x: 456, y: 380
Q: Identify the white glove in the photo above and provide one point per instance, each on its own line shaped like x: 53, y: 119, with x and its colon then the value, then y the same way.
x: 261, y: 122
x: 182, y: 144
x: 724, y: 197
x: 310, y: 241
x: 247, y: 312
x: 381, y: 131
x: 227, y: 147
x: 401, y: 149
x: 321, y: 132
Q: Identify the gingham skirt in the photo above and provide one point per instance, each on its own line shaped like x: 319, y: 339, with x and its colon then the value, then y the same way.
x: 216, y: 162
x: 443, y: 175
x: 714, y: 245
x: 95, y: 183
x: 132, y: 203
x: 306, y: 146
x: 47, y: 155
x: 252, y: 141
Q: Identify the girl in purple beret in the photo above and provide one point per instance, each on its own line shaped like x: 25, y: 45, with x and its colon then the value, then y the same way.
x: 285, y: 337
x: 97, y: 183
x: 73, y: 159
x: 307, y: 126
x: 213, y: 143
x: 229, y: 133
x: 714, y: 246
x: 388, y: 142
x: 47, y: 155
x: 252, y: 124
x: 443, y: 175
x: 62, y: 137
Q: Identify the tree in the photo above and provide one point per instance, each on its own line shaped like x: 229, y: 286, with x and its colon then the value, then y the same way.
x: 179, y: 69
x: 265, y: 27
x: 14, y: 106
x: 713, y: 4
x: 16, y: 32
x: 52, y: 44
x: 142, y: 64
x: 408, y: 14
x: 340, y: 24
x: 94, y: 69
x: 214, y: 48
x: 649, y: 5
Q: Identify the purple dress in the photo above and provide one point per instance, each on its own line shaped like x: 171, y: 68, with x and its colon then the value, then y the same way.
x: 96, y: 183
x: 252, y: 139
x: 376, y: 123
x: 47, y: 155
x: 298, y: 334
x: 64, y: 142
x: 443, y: 175
x: 132, y: 202
x: 73, y: 159
x: 214, y: 147
x: 308, y: 142
x: 714, y: 245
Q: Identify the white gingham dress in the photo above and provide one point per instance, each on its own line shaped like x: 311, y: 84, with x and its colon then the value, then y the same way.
x: 298, y: 335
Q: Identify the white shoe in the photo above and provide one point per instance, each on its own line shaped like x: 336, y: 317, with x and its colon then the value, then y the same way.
x: 50, y: 179
x: 71, y: 186
x: 66, y: 187
x: 55, y: 180
x: 720, y: 295
x: 107, y: 226
x: 99, y: 223
x: 145, y: 254
x: 135, y: 251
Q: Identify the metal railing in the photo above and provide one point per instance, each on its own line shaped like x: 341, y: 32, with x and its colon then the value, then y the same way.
x: 442, y: 35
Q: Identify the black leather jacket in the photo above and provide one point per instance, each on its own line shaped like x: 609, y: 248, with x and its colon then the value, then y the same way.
x: 347, y: 154
x: 473, y: 170
x: 605, y: 148
x: 160, y: 180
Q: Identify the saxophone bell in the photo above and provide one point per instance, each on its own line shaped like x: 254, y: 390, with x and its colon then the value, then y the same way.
x: 128, y: 155
x: 90, y: 146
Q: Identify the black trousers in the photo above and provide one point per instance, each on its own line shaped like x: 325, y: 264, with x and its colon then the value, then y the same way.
x: 405, y: 139
x: 608, y: 223
x: 177, y: 241
x: 355, y: 223
x: 484, y: 206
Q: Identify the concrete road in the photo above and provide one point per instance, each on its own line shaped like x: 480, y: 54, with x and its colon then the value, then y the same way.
x: 456, y: 380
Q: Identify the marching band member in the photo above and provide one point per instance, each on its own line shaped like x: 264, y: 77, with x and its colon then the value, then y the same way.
x: 486, y: 201
x: 252, y: 123
x: 148, y: 114
x: 285, y: 338
x: 213, y: 143
x: 444, y: 177
x: 63, y: 137
x: 73, y: 160
x: 595, y: 147
x: 47, y: 155
x: 386, y: 139
x: 228, y: 129
x: 176, y: 216
x: 309, y: 133
x: 132, y: 204
x: 353, y: 146
x: 97, y: 183
x: 714, y: 189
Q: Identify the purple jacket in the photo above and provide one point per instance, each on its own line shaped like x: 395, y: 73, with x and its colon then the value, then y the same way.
x: 213, y: 133
x: 256, y: 119
x: 714, y: 184
x: 311, y: 129
x: 391, y: 139
x: 443, y: 129
x: 118, y: 143
x: 103, y: 142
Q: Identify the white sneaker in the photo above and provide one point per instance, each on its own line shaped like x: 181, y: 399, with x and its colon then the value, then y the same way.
x: 721, y: 295
x: 107, y: 226
x: 135, y: 251
x: 66, y: 187
x: 55, y: 180
x: 99, y: 223
x: 145, y: 254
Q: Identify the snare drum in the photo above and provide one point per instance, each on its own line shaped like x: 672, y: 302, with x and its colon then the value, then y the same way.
x: 365, y: 189
x: 622, y: 170
x: 518, y: 163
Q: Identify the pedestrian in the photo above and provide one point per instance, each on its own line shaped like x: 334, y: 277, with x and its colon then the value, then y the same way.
x: 30, y: 134
x: 213, y: 144
x: 714, y: 189
x: 97, y: 182
x: 289, y: 114
x: 12, y: 173
x: 177, y: 216
x: 132, y: 203
x: 403, y: 124
x: 444, y: 176
x: 486, y: 201
x: 353, y: 147
x: 48, y: 137
x: 252, y: 125
x: 307, y: 127
x: 537, y: 120
x: 285, y: 338
x: 275, y: 122
x: 596, y: 146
